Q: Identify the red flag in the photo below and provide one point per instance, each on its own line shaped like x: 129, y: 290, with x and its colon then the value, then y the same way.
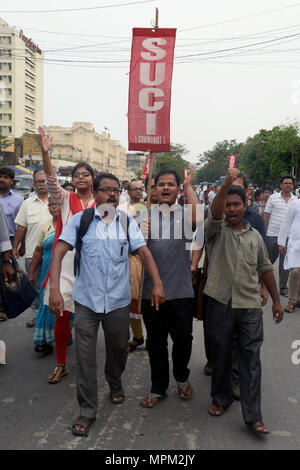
x: 150, y: 81
x: 146, y: 167
x: 232, y: 160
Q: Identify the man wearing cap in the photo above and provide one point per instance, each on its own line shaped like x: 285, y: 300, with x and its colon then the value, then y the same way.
x: 11, y: 204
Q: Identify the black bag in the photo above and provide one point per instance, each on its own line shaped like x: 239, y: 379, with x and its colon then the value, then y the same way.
x: 18, y: 294
x: 85, y: 221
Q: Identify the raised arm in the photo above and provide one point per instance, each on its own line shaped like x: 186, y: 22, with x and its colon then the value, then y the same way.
x: 218, y: 204
x: 46, y: 145
x: 196, y: 209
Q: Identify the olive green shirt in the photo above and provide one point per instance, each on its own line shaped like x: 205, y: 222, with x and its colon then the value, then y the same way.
x: 236, y: 261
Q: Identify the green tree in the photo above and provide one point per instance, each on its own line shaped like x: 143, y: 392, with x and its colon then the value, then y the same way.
x: 270, y: 154
x: 172, y: 160
x: 215, y: 162
x: 4, y: 142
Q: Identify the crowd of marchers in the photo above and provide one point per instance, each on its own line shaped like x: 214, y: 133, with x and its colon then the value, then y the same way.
x: 131, y: 257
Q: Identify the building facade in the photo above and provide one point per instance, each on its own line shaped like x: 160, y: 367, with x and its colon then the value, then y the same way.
x: 21, y: 83
x: 82, y: 142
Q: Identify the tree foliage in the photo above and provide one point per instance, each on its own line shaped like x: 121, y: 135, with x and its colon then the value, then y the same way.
x: 172, y: 160
x: 215, y: 161
x: 265, y: 157
x: 4, y: 143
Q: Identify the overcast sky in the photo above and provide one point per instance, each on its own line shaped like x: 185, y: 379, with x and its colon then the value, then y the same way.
x: 246, y: 76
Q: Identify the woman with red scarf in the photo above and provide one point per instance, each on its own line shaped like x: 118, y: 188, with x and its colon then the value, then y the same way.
x: 70, y: 203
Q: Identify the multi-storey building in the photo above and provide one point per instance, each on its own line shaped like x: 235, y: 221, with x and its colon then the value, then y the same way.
x: 21, y: 82
x: 82, y: 142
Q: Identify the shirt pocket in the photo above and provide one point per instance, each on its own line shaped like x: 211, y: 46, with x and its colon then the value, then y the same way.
x: 34, y: 216
x: 250, y: 253
x: 123, y: 249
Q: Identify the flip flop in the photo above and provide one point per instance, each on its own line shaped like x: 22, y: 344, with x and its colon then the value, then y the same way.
x: 151, y: 400
x: 185, y: 390
x: 290, y: 307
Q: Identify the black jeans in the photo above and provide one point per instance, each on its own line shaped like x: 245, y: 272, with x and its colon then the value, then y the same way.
x: 174, y: 317
x: 222, y: 321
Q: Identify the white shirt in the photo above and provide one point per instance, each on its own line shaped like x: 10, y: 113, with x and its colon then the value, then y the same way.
x: 277, y: 208
x: 31, y: 213
x: 290, y: 228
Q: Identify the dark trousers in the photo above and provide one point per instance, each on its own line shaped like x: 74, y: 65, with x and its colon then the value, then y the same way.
x: 174, y: 317
x: 222, y: 322
x: 273, y: 252
x: 115, y: 325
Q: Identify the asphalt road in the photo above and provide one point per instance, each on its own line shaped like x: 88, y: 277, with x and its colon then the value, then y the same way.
x: 35, y: 415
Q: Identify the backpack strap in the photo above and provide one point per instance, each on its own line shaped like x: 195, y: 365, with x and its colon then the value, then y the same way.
x: 85, y: 221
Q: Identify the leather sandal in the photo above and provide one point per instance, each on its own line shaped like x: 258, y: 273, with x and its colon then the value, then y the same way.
x: 3, y: 316
x: 258, y: 427
x: 290, y: 307
x: 215, y: 410
x: 59, y: 372
x: 134, y: 343
x: 82, y: 425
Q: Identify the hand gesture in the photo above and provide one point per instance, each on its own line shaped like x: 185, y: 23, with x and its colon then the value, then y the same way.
x: 189, y: 179
x: 231, y: 175
x: 46, y: 143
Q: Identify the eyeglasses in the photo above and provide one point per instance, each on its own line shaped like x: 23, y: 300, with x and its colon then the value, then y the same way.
x: 40, y: 182
x: 85, y: 174
x: 52, y: 204
x: 110, y: 190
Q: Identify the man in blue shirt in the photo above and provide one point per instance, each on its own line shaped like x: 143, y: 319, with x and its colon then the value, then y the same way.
x: 102, y: 294
x: 11, y: 202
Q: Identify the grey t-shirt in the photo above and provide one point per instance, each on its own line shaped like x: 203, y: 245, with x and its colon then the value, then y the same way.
x: 169, y: 243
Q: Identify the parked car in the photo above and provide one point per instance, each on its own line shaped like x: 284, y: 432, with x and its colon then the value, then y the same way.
x: 23, y: 185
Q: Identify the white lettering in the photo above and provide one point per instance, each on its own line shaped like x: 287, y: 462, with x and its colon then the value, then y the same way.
x: 150, y: 123
x: 159, y: 73
x: 156, y: 53
x: 144, y: 99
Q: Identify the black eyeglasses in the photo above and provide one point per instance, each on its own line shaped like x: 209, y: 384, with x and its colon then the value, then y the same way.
x: 110, y: 190
x: 85, y: 174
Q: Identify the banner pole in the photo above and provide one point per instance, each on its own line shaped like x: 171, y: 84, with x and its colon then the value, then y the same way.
x: 149, y: 182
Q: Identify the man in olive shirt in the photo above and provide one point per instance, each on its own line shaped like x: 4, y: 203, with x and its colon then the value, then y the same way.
x: 238, y: 250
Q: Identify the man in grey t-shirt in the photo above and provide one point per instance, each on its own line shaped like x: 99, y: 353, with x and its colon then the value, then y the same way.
x: 169, y: 242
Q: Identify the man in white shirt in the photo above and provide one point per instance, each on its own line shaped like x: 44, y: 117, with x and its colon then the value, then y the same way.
x: 31, y: 213
x: 290, y: 230
x: 275, y: 211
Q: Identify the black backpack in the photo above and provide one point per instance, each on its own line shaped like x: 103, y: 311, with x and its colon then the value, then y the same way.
x: 85, y: 221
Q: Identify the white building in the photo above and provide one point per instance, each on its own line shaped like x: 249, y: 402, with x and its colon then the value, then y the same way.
x: 21, y: 82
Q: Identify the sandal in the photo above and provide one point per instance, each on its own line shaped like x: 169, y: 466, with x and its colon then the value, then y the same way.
x: 84, y: 424
x: 258, y: 427
x: 117, y: 397
x: 215, y: 410
x: 151, y: 400
x: 185, y: 390
x: 132, y: 345
x: 290, y: 307
x: 3, y: 316
x: 44, y: 348
x: 59, y: 372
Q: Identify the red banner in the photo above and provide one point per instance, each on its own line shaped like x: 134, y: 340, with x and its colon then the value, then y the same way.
x: 150, y: 82
x: 232, y: 160
x: 146, y: 167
